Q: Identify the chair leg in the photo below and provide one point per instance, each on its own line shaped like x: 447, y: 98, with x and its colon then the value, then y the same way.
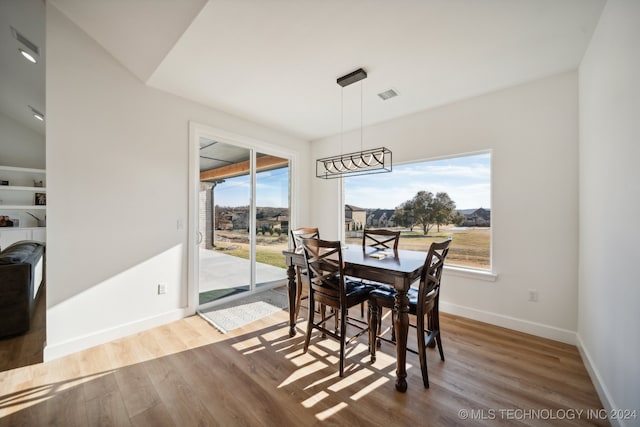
x: 422, y: 350
x: 393, y: 325
x: 436, y: 324
x: 299, y: 292
x: 323, y: 313
x: 373, y: 330
x: 310, y: 322
x: 378, y: 341
x: 343, y: 333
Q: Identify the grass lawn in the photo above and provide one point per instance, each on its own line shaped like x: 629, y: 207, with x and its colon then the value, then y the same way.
x: 271, y: 255
x: 470, y: 247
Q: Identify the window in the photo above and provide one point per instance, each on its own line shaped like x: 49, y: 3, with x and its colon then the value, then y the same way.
x: 428, y: 201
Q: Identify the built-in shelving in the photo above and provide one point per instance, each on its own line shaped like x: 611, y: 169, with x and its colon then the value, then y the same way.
x: 18, y: 202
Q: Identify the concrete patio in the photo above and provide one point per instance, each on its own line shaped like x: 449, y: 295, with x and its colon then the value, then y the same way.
x: 221, y: 271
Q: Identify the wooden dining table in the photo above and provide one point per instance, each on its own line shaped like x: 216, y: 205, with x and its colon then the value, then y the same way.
x: 399, y: 268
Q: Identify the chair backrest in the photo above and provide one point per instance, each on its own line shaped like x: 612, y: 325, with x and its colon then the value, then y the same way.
x: 325, y: 267
x: 303, y: 233
x: 380, y: 239
x: 432, y: 271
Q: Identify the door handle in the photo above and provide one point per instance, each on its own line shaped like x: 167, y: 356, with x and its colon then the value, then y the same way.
x: 199, y: 237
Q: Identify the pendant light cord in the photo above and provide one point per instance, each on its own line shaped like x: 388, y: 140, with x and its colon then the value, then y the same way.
x: 341, y: 120
x: 361, y: 120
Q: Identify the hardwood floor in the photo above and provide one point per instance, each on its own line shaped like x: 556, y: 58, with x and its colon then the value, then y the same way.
x: 187, y: 373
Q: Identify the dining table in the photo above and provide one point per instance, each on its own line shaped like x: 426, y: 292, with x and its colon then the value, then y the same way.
x: 398, y: 268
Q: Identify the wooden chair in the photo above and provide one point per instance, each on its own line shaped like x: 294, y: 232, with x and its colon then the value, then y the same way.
x: 296, y: 236
x: 328, y: 287
x: 379, y: 239
x: 423, y: 303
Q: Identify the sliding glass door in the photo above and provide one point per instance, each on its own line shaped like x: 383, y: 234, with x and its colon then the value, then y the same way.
x: 243, y: 212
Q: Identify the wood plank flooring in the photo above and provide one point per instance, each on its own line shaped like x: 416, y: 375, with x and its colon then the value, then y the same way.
x: 187, y: 373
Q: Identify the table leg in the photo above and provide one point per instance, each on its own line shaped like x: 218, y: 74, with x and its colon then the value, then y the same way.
x: 291, y: 275
x: 402, y: 331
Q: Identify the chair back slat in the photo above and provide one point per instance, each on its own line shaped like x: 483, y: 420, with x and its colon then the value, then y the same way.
x: 325, y: 266
x: 432, y: 272
x: 303, y: 233
x: 380, y: 239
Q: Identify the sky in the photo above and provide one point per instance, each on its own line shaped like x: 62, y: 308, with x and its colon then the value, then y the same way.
x: 466, y: 179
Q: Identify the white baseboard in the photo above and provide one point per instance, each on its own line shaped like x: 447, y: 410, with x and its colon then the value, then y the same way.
x: 526, y: 326
x: 596, y: 379
x: 58, y: 350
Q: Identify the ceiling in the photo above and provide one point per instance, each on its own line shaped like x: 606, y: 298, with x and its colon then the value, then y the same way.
x: 276, y: 62
x: 22, y: 83
x: 214, y: 155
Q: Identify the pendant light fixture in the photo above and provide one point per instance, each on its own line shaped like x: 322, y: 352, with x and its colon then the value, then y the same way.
x: 363, y: 162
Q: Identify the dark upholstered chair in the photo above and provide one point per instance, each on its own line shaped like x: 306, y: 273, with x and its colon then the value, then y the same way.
x: 328, y: 287
x: 379, y: 239
x: 423, y: 303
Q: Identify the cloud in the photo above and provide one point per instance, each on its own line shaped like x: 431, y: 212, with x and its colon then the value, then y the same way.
x: 467, y: 180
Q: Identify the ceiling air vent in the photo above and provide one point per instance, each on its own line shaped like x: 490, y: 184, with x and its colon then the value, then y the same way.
x: 388, y: 94
x: 25, y: 41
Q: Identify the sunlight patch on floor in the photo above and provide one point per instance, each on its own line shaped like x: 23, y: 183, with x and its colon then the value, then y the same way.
x: 331, y: 411
x: 299, y: 374
x: 350, y: 378
x: 248, y: 343
x: 310, y: 402
x: 369, y: 388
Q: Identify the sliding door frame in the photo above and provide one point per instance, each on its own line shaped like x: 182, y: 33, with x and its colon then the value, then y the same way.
x: 197, y: 131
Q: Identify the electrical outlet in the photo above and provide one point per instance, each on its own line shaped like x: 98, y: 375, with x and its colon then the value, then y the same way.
x: 533, y: 295
x: 162, y: 288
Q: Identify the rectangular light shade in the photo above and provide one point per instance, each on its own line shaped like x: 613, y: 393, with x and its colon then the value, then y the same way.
x: 377, y: 160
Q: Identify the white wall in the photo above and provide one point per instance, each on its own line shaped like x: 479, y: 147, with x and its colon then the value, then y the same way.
x: 609, y: 318
x: 20, y: 146
x: 117, y: 159
x: 532, y: 131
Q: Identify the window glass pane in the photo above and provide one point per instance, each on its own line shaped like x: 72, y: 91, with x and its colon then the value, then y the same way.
x: 272, y: 218
x: 428, y: 201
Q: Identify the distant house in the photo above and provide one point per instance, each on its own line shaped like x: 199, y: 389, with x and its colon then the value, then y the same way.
x: 355, y: 218
x: 476, y: 217
x: 272, y: 220
x: 381, y: 218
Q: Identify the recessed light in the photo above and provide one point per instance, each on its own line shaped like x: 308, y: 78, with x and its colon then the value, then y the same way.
x: 388, y: 94
x: 28, y: 56
x: 37, y: 114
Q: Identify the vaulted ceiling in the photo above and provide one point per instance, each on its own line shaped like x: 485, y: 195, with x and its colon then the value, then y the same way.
x: 276, y: 62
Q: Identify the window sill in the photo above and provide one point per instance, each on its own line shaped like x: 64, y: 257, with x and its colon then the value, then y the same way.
x: 471, y: 273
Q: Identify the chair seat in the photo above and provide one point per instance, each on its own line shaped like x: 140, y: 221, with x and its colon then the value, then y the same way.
x: 385, y: 297
x: 355, y: 291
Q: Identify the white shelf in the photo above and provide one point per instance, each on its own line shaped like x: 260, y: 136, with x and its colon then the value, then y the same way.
x: 22, y: 228
x: 23, y: 207
x: 20, y: 188
x: 28, y: 170
x: 19, y: 194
